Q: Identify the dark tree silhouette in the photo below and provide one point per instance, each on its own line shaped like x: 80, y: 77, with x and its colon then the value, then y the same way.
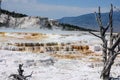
x: 13, y: 14
x: 73, y: 27
x: 20, y: 75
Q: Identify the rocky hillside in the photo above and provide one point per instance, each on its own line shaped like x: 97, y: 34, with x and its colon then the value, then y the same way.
x: 27, y: 22
x: 17, y: 20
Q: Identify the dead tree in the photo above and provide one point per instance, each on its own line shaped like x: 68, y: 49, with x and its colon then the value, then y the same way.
x: 20, y: 75
x: 110, y: 51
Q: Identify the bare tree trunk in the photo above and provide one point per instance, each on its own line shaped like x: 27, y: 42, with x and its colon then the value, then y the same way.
x: 109, y: 54
x: 111, y: 28
x: 106, y: 70
x: 104, y: 51
x: 106, y: 75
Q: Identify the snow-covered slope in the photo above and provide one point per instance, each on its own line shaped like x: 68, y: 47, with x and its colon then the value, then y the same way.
x: 28, y: 22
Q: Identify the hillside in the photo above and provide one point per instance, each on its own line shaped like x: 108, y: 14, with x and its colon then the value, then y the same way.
x: 73, y: 27
x: 89, y: 21
x: 17, y: 20
x: 10, y: 19
x: 13, y: 14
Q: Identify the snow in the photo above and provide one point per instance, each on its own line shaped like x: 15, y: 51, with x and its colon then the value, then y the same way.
x: 62, y: 69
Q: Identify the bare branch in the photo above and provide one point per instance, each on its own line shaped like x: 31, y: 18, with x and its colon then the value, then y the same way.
x: 20, y: 76
x: 116, y: 52
x: 98, y: 21
x: 106, y: 28
x: 95, y: 34
x: 111, y: 25
x: 118, y: 34
x: 29, y: 75
x: 16, y: 77
x: 116, y: 43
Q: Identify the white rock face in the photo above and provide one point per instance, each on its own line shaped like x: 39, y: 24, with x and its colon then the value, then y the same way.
x: 28, y: 22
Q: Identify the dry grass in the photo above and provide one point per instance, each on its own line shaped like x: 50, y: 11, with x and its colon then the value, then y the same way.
x: 67, y: 56
x: 35, y: 36
x: 24, y: 35
x: 96, y: 54
x: 94, y: 59
x: 2, y: 34
x: 86, y: 52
